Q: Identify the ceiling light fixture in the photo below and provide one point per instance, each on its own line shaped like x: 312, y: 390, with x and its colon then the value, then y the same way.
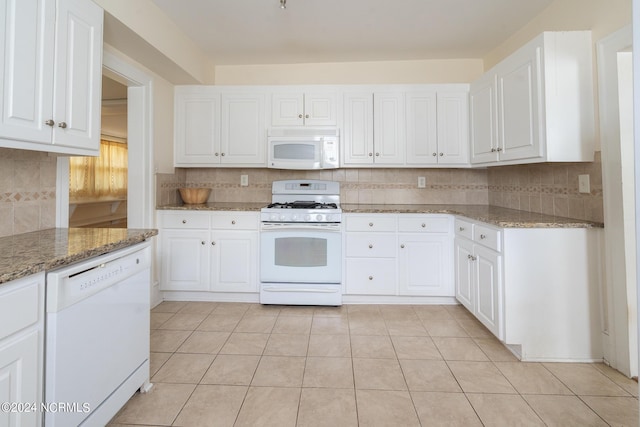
x: 283, y: 4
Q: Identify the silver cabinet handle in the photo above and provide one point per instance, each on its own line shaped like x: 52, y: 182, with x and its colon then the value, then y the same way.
x: 471, y: 257
x: 370, y: 154
x: 184, y: 221
x: 370, y: 224
x: 299, y: 116
x: 370, y: 277
x: 402, y: 246
x: 233, y: 222
x: 49, y: 122
x: 441, y: 154
x: 370, y: 246
x: 461, y: 228
x: 493, y: 150
x: 306, y: 116
x: 377, y: 154
x: 424, y: 225
x: 222, y: 154
x: 202, y: 243
x: 482, y: 236
x: 62, y: 125
x: 435, y: 154
x: 213, y: 243
x: 217, y: 154
x: 499, y: 149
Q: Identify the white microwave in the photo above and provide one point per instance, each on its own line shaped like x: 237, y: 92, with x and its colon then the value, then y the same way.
x: 303, y: 148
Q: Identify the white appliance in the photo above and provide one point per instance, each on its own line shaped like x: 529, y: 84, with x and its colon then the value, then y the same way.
x: 97, y: 336
x: 301, y: 244
x: 303, y: 148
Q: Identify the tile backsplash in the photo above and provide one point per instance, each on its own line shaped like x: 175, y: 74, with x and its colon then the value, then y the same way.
x: 27, y: 191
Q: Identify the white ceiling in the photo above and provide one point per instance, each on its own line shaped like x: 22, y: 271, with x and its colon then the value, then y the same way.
x: 236, y: 32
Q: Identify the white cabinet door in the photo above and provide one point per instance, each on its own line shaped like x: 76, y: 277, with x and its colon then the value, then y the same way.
x: 78, y: 75
x: 519, y: 105
x: 51, y: 92
x: 424, y: 265
x: 234, y: 260
x: 465, y: 273
x: 389, y: 128
x: 422, y: 130
x: 287, y: 109
x: 26, y: 70
x: 320, y: 109
x: 483, y: 117
x: 243, y: 140
x: 488, y: 267
x: 185, y: 260
x: 371, y: 276
x: 197, y: 126
x: 357, y: 131
x: 304, y: 109
x: 453, y: 128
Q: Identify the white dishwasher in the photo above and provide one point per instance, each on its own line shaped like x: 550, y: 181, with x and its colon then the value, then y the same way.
x: 96, y: 336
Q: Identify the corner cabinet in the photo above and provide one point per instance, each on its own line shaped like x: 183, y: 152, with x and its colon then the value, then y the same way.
x: 22, y: 349
x: 51, y: 74
x: 216, y: 128
x: 537, y: 105
x: 208, y: 252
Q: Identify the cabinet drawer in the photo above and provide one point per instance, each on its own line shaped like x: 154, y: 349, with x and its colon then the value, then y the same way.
x: 378, y: 245
x: 463, y: 228
x: 371, y: 223
x: 488, y: 237
x: 234, y: 221
x: 370, y: 277
x: 184, y: 220
x: 424, y: 224
x: 19, y: 305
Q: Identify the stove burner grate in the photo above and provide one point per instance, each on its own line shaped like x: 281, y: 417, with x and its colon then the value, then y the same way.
x: 303, y: 205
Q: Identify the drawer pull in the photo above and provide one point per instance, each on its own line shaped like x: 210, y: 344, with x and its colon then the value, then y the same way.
x: 233, y: 222
x: 471, y: 257
x: 213, y: 243
x: 370, y: 277
x: 202, y: 243
x: 184, y: 221
x: 402, y: 246
x: 370, y: 246
x: 424, y: 225
x: 370, y: 224
x: 482, y: 236
x: 461, y: 228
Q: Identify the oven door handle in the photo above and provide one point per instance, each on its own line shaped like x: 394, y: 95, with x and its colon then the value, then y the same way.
x: 296, y: 289
x: 333, y: 228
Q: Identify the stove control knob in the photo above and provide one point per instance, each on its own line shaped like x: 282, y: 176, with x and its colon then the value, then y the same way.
x: 283, y: 217
x: 294, y: 217
x: 318, y: 217
x: 329, y: 218
x: 273, y: 217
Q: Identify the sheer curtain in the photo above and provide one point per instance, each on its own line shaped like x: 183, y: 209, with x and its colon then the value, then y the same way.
x: 102, y: 177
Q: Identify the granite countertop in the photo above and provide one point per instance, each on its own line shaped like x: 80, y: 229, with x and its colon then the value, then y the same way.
x: 501, y: 217
x: 30, y: 253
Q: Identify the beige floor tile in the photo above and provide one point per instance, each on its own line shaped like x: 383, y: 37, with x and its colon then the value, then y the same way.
x: 159, y: 406
x: 429, y: 375
x: 445, y: 328
x: 617, y: 411
x: 563, y: 411
x: 212, y: 406
x: 366, y: 325
x: 204, y: 342
x: 269, y: 407
x: 220, y: 322
x: 459, y: 349
x: 501, y: 410
x: 232, y: 308
x: 256, y: 324
x: 328, y: 372
x: 363, y: 309
x: 168, y: 307
x: 331, y: 311
x: 245, y: 343
x: 184, y: 321
x: 329, y: 345
x: 480, y: 377
x: 378, y: 374
x: 329, y: 325
x: 444, y: 409
x: 156, y: 360
x: 164, y: 341
x: 495, y: 350
x: 279, y: 371
x: 531, y: 378
x: 184, y: 368
x: 231, y: 369
x: 459, y: 312
x: 158, y: 318
x: 404, y: 327
x: 585, y: 379
x: 398, y: 312
x: 474, y: 328
x: 264, y: 309
x: 375, y: 346
x: 297, y: 310
x: 199, y: 307
x: 428, y: 313
x: 629, y: 385
x: 287, y: 345
x: 385, y: 408
x: 293, y: 325
x: 415, y: 348
x: 320, y: 407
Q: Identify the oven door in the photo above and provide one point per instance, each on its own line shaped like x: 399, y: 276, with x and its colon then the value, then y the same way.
x: 301, y: 253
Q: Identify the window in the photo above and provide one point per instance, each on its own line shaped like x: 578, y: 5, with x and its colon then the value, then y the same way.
x: 102, y: 177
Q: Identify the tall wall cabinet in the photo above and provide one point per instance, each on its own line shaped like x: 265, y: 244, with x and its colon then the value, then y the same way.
x: 51, y: 74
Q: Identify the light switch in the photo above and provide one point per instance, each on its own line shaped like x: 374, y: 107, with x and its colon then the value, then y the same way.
x: 422, y: 182
x: 584, y: 184
x: 244, y: 180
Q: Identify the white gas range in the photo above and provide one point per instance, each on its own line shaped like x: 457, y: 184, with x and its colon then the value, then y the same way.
x: 301, y: 244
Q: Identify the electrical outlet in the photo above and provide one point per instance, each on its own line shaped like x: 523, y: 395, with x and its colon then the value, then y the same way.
x: 422, y: 182
x: 244, y: 180
x: 584, y: 184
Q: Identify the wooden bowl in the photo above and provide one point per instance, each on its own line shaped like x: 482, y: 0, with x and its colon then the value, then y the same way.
x: 194, y: 196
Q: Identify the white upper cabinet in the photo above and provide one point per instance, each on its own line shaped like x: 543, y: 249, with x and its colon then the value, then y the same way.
x: 422, y: 129
x: 304, y: 108
x: 217, y: 128
x: 51, y: 73
x: 537, y: 104
x: 357, y: 129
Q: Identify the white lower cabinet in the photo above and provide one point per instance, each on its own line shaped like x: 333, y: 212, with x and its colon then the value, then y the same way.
x: 398, y: 255
x: 208, y: 251
x: 22, y: 350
